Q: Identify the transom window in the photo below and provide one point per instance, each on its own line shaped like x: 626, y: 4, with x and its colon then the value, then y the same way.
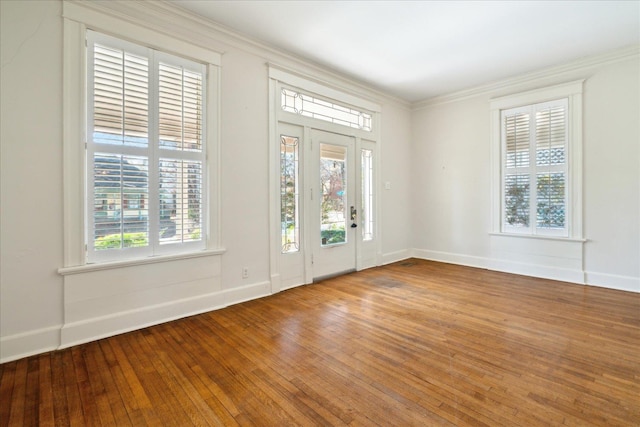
x: 311, y: 106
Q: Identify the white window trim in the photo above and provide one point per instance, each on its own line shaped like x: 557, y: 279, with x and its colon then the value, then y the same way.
x: 77, y: 19
x: 572, y: 91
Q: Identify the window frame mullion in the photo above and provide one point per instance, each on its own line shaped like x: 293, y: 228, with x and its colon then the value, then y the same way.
x: 154, y: 169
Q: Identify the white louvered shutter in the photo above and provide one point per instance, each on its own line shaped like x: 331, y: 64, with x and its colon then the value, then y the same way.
x: 551, y: 166
x: 145, y: 151
x: 535, y: 169
x: 517, y: 194
x: 181, y: 162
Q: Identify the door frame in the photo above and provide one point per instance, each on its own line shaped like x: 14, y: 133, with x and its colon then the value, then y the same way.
x: 290, y: 270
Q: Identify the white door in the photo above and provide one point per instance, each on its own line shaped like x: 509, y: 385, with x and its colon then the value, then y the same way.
x: 333, y: 208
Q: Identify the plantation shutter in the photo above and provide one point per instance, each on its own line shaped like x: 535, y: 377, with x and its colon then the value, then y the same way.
x: 121, y: 97
x: 516, y: 181
x: 118, y: 146
x: 181, y: 164
x: 551, y: 165
x: 145, y: 151
x: 535, y: 168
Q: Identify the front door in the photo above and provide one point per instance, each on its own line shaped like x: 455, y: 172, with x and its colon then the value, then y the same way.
x: 333, y: 207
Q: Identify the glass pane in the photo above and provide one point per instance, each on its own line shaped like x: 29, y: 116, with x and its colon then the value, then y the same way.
x: 550, y: 136
x: 121, y: 200
x: 180, y: 201
x: 180, y: 108
x: 121, y: 98
x: 367, y: 194
x: 333, y: 183
x: 517, y: 140
x: 289, y: 194
x: 551, y: 200
x: 306, y: 105
x: 516, y: 200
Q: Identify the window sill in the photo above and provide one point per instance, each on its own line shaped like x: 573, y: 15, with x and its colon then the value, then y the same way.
x: 539, y: 237
x: 64, y: 271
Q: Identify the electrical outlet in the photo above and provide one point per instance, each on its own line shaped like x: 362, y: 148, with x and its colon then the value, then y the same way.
x: 245, y: 272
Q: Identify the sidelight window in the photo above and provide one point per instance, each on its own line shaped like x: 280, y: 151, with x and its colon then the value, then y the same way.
x: 289, y: 193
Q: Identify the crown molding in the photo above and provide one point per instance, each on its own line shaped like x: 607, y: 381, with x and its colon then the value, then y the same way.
x: 581, y: 65
x: 167, y: 18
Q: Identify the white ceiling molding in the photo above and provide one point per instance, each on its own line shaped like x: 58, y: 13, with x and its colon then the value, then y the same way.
x: 418, y: 50
x: 165, y: 17
x: 170, y: 18
x: 98, y: 20
x: 515, y: 84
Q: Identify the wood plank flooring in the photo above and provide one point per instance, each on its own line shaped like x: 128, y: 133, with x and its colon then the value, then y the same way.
x: 412, y: 343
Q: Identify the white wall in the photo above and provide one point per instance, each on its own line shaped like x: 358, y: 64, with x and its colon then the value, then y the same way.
x: 245, y: 169
x: 452, y: 170
x: 31, y: 172
x: 612, y: 174
x: 396, y: 202
x: 35, y: 315
x: 436, y: 160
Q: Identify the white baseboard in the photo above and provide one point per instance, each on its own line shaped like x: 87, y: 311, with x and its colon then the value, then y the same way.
x: 14, y: 347
x: 118, y: 323
x: 30, y: 343
x: 247, y: 293
x: 612, y: 281
x: 450, y: 258
x: 525, y: 269
x: 391, y: 257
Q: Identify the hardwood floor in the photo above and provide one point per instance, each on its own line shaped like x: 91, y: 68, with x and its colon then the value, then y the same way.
x: 411, y: 343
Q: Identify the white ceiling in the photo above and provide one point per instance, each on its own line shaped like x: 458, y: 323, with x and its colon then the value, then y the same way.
x: 420, y: 49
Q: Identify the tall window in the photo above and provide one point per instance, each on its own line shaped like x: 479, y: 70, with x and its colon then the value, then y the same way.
x: 289, y: 193
x: 367, y: 194
x: 535, y: 168
x: 146, y: 158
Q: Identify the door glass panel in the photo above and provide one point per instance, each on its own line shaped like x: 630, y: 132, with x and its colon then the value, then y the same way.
x: 333, y: 184
x: 289, y: 223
